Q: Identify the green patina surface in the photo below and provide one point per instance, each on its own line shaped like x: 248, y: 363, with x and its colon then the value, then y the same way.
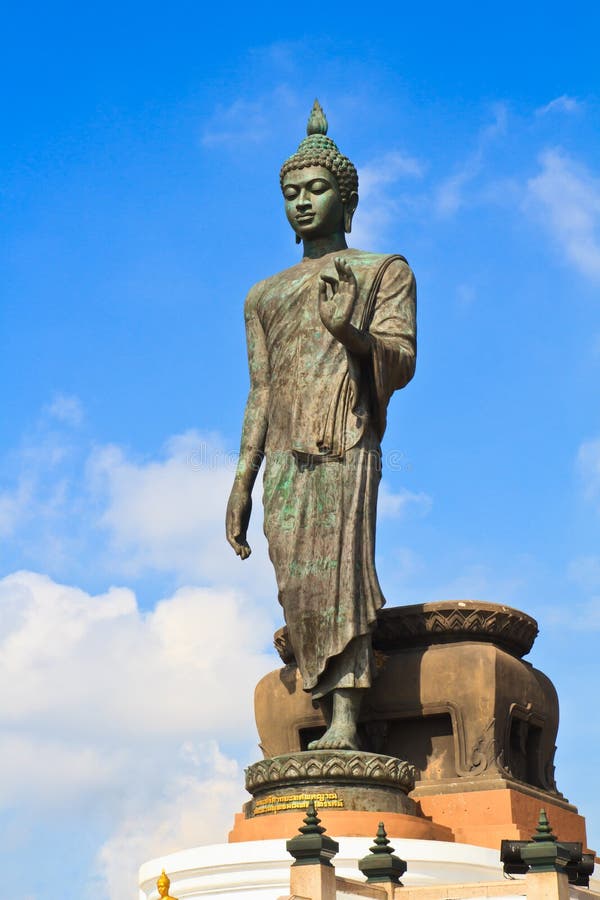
x: 313, y: 567
x: 329, y: 340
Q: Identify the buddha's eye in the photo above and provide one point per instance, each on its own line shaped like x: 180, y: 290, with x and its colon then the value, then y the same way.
x: 319, y: 186
x: 290, y: 192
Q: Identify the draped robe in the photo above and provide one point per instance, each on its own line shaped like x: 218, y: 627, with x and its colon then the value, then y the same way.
x: 326, y: 417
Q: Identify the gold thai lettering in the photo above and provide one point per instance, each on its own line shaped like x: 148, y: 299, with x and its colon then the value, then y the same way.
x: 273, y: 803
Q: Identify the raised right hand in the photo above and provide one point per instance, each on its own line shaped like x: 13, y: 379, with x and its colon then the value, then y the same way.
x: 237, y: 518
x: 337, y: 298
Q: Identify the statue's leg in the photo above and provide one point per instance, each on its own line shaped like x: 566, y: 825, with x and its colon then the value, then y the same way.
x: 341, y: 733
x: 339, y: 693
x: 326, y: 707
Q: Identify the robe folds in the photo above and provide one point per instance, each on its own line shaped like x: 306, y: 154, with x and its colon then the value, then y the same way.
x: 326, y: 417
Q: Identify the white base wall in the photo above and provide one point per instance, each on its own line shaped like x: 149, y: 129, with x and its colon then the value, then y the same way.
x: 260, y: 870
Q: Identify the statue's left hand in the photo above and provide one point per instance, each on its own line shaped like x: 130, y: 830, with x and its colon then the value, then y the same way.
x: 237, y: 518
x: 337, y: 304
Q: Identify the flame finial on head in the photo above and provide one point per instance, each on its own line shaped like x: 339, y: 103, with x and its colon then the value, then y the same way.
x: 317, y: 121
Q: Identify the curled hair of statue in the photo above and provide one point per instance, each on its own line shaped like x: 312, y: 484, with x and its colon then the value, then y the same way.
x: 319, y: 150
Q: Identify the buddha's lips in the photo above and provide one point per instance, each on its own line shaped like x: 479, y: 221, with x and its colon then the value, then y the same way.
x: 307, y: 217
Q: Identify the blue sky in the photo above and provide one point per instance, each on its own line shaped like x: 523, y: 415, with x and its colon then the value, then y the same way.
x: 140, y: 200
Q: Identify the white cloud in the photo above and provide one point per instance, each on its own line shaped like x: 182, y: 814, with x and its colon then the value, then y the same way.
x: 37, y: 475
x: 395, y: 505
x: 194, y: 805
x: 450, y: 195
x: 66, y: 408
x: 241, y: 122
x: 245, y: 122
x: 386, y: 170
x: 381, y: 204
x: 109, y: 712
x: 565, y: 197
x: 97, y: 667
x: 169, y: 514
x: 52, y: 776
x: 564, y: 104
x: 68, y: 504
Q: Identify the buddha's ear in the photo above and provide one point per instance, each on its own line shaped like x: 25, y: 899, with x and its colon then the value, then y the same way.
x: 349, y: 210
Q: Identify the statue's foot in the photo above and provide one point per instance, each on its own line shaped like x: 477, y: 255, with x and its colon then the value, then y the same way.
x: 336, y: 738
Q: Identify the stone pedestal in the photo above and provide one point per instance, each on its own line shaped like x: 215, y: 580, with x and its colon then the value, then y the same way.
x: 453, y: 696
x: 352, y: 791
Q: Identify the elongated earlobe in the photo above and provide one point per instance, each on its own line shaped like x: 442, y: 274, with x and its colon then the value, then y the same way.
x: 349, y: 210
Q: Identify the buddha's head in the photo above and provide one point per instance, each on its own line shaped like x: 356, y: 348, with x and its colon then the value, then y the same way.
x: 163, y: 884
x: 319, y: 184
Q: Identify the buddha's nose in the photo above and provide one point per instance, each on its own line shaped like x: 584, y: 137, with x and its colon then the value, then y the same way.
x: 303, y: 201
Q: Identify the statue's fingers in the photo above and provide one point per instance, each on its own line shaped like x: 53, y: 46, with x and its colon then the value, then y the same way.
x: 245, y: 550
x: 341, y: 271
x: 331, y: 281
x: 347, y: 272
x: 322, y: 292
x: 340, y: 266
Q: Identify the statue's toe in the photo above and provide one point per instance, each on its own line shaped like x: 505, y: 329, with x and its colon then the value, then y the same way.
x: 335, y: 740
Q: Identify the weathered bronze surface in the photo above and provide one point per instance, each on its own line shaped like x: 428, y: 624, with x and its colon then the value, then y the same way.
x: 442, y: 622
x: 342, y: 779
x: 452, y: 695
x: 329, y: 340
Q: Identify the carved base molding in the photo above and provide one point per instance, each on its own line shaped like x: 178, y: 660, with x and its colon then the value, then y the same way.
x: 333, y: 779
x: 336, y: 766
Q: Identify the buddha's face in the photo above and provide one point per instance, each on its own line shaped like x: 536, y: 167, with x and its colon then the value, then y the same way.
x: 313, y: 204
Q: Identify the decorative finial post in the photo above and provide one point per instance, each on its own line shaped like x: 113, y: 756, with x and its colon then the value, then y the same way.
x: 543, y: 831
x: 312, y: 846
x: 312, y: 874
x: 544, y: 853
x: 544, y: 857
x: 381, y: 864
